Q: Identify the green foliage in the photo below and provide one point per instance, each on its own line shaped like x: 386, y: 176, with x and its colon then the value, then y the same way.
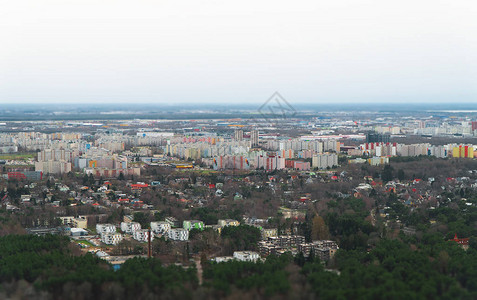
x: 401, y: 175
x: 425, y: 267
x: 459, y: 221
x: 387, y: 174
x: 352, y: 229
x: 195, y: 232
x: 242, y: 237
x: 411, y: 158
x: 137, y: 272
x: 47, y: 262
x: 142, y: 218
x: 267, y: 278
x: 393, y: 271
x: 206, y: 215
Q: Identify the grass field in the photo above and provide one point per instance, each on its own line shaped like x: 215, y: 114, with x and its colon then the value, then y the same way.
x: 19, y: 156
x: 85, y: 242
x: 16, y: 166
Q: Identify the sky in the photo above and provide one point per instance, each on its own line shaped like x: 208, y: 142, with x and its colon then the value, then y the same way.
x: 216, y: 51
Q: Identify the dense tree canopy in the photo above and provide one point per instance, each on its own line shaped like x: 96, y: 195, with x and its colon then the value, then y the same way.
x: 49, y: 265
x: 428, y: 268
x: 243, y: 237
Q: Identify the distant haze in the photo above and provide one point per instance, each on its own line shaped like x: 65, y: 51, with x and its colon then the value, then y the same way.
x: 212, y: 51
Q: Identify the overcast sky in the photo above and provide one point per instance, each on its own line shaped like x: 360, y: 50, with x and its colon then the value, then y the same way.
x: 237, y: 51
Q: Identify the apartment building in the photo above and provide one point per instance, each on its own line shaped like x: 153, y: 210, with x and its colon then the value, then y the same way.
x: 173, y: 221
x: 376, y: 161
x: 269, y: 232
x: 53, y: 167
x: 142, y: 235
x: 270, y: 162
x: 323, y: 161
x: 254, y: 138
x: 462, y: 151
x: 178, y: 234
x: 111, y: 238
x: 268, y: 248
x: 105, y: 228
x: 238, y: 162
x: 193, y: 224
x: 238, y: 135
x: 246, y: 256
x: 287, y: 240
x: 80, y: 222
x: 160, y: 227
x: 323, y: 249
x: 130, y: 227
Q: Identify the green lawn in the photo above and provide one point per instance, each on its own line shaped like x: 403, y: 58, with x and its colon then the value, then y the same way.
x: 85, y: 242
x: 18, y: 156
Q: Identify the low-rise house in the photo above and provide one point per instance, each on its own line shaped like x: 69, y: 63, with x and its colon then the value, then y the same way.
x: 220, y: 259
x: 78, y: 232
x: 139, y: 186
x: 102, y: 254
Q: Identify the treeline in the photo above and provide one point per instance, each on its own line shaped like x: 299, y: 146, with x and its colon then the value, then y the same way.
x: 48, y: 264
x: 394, y: 269
x: 243, y: 237
x: 428, y: 267
x: 264, y: 278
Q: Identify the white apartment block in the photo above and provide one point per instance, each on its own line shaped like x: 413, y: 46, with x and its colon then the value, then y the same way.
x: 57, y: 155
x: 270, y: 162
x: 246, y: 256
x: 111, y: 238
x: 323, y: 161
x: 412, y: 150
x: 438, y: 151
x: 178, y: 234
x: 53, y: 167
x: 142, y: 235
x: 105, y: 228
x: 160, y: 227
x: 130, y: 227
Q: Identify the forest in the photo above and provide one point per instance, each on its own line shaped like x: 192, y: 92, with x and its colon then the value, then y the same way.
x: 407, y: 267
